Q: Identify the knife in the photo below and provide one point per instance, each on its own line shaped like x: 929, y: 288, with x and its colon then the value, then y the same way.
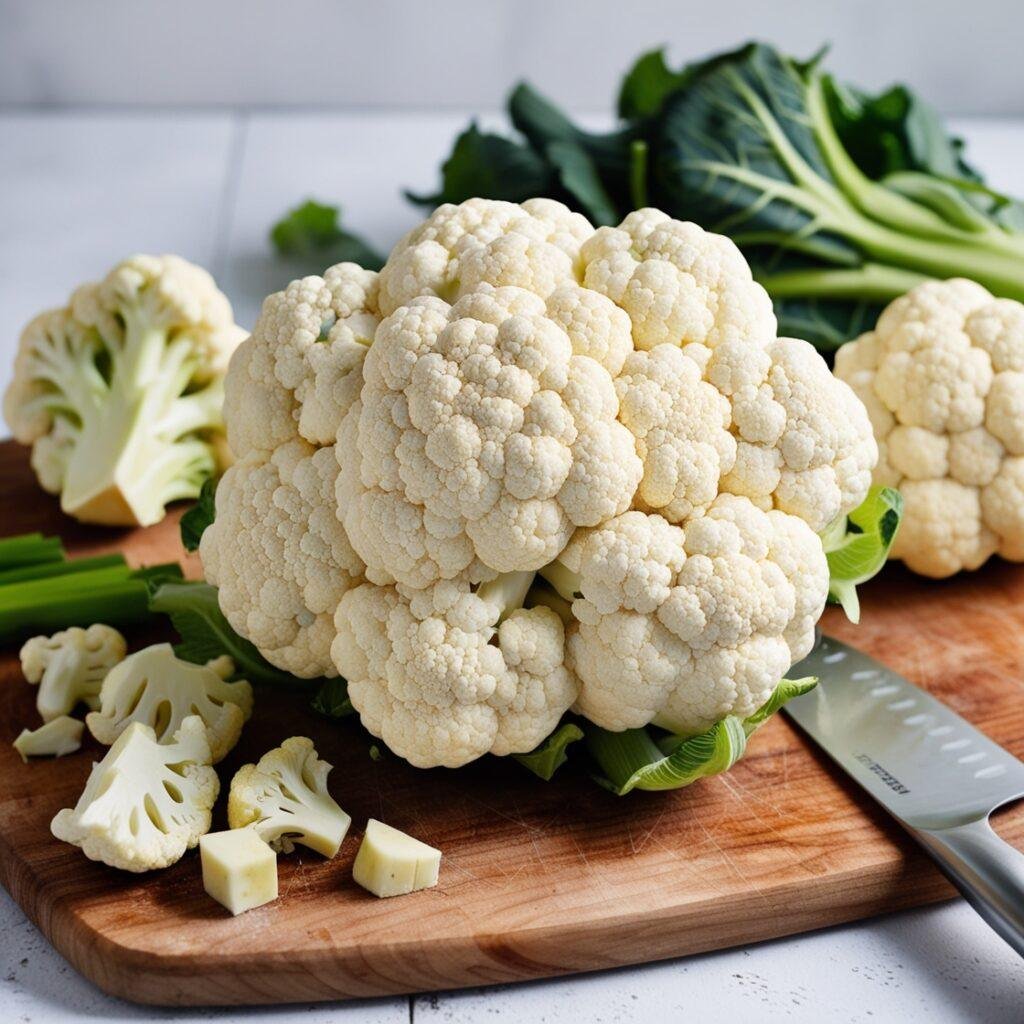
x: 933, y: 771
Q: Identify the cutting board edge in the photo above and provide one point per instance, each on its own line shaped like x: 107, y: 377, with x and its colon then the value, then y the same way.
x: 329, y: 974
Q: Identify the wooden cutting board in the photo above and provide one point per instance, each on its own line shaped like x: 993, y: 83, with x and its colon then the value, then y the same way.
x: 537, y: 879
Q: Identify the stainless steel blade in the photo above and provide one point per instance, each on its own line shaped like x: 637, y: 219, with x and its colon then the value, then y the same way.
x: 922, y: 761
x: 931, y: 769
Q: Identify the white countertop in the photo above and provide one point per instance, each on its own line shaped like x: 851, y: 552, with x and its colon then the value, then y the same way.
x: 80, y: 191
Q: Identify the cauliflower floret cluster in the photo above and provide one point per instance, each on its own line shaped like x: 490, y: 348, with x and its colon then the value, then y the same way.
x: 119, y: 393
x: 942, y: 377
x: 277, y: 552
x: 610, y: 409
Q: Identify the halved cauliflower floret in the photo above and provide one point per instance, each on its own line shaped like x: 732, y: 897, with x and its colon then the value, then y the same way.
x: 480, y: 441
x: 70, y: 667
x: 942, y: 378
x: 448, y: 674
x: 285, y: 799
x: 120, y: 392
x: 145, y: 803
x: 682, y: 626
x: 156, y: 688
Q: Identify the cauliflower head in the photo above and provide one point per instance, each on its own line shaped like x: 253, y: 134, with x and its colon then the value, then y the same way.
x: 517, y: 392
x: 277, y: 551
x: 284, y: 798
x: 447, y: 674
x: 70, y: 667
x: 683, y: 625
x: 146, y: 802
x: 155, y: 687
x: 119, y: 393
x: 942, y: 378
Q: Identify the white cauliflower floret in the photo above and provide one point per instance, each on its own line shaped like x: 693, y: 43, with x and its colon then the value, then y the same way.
x: 70, y: 667
x: 154, y: 687
x: 285, y: 799
x: 685, y: 625
x: 942, y: 378
x: 120, y: 392
x: 298, y: 372
x: 446, y: 675
x: 534, y: 246
x: 480, y: 440
x: 279, y: 555
x: 678, y: 283
x: 145, y: 803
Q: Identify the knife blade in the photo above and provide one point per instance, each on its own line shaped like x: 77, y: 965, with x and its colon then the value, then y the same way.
x: 937, y: 774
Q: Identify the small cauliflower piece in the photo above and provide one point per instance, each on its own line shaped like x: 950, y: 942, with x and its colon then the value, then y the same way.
x: 391, y: 863
x: 158, y: 689
x: 59, y: 736
x: 120, y: 392
x: 239, y: 869
x: 145, y: 803
x: 682, y: 626
x: 480, y: 441
x: 942, y: 378
x: 70, y: 666
x: 448, y: 674
x: 284, y: 798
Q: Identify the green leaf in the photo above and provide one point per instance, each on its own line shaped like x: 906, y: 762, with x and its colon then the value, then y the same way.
x: 648, y: 83
x: 313, y: 231
x: 545, y: 759
x: 635, y: 760
x: 331, y: 700
x: 857, y: 546
x: 195, y: 521
x: 205, y: 633
x: 579, y: 177
x: 489, y: 166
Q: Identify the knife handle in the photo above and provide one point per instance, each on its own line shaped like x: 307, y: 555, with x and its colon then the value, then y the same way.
x: 986, y: 869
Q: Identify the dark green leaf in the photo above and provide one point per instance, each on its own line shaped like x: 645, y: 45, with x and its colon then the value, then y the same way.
x: 195, y: 521
x: 331, y: 700
x: 313, y: 231
x: 205, y: 633
x: 551, y: 753
x: 648, y: 83
x: 579, y: 177
x: 491, y: 167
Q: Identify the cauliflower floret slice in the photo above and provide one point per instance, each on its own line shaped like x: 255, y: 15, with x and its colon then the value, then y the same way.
x: 120, y: 392
x: 145, y: 803
x: 284, y: 798
x: 70, y: 666
x: 154, y: 687
x: 58, y: 737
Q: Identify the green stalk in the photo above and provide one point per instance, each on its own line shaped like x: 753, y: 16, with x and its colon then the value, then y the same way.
x: 47, y: 570
x: 29, y: 549
x: 638, y: 173
x: 875, y: 282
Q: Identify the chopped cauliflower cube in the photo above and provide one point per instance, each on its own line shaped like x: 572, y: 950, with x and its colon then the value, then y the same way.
x: 239, y: 869
x: 391, y: 863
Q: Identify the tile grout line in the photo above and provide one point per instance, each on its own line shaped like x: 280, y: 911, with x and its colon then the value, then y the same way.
x: 229, y: 193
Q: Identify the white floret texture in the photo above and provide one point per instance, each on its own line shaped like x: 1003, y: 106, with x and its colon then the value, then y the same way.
x: 516, y: 388
x: 682, y: 625
x: 942, y: 378
x: 434, y: 674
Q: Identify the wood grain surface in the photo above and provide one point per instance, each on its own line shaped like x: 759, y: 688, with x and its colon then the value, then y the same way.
x: 537, y: 879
